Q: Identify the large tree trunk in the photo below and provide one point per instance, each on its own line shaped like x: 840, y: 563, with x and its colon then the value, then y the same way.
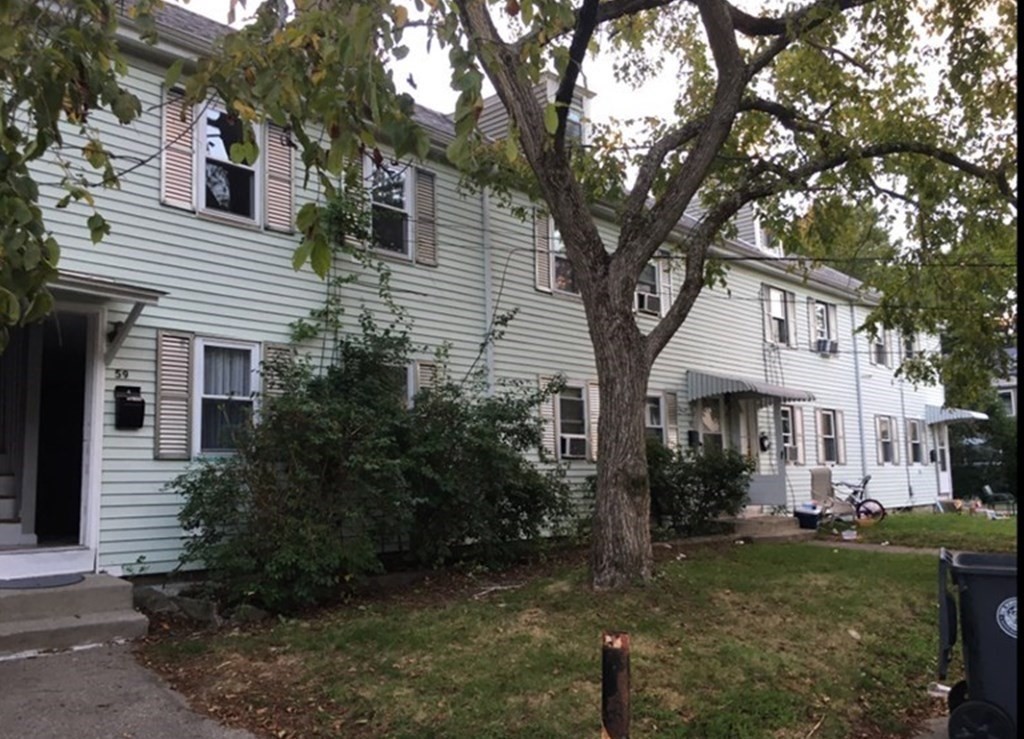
x: 621, y: 545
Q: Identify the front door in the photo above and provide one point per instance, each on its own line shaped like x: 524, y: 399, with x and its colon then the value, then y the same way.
x: 941, y: 437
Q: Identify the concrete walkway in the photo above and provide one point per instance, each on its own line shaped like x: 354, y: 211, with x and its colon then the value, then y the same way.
x: 864, y: 546
x: 98, y: 693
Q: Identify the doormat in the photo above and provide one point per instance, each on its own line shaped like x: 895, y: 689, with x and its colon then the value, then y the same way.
x: 48, y: 581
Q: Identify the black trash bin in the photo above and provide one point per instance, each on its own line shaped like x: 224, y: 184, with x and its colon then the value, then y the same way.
x: 985, y: 704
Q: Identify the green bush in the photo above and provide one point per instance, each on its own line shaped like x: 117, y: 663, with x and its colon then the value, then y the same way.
x: 689, y: 490
x: 339, y: 468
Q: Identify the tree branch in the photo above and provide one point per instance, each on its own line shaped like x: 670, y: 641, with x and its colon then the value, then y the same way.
x: 586, y: 23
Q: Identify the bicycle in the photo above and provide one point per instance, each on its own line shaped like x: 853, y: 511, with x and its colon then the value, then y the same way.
x: 865, y: 510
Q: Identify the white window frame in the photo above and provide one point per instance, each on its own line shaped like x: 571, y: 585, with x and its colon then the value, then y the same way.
x: 660, y: 400
x: 556, y: 250
x: 787, y: 299
x: 1010, y: 394
x: 560, y: 435
x: 574, y: 116
x: 408, y: 197
x: 881, y: 342
x: 199, y: 353
x: 257, y: 169
x: 641, y: 299
x: 881, y: 439
x: 918, y: 428
x: 911, y: 346
x: 834, y: 436
x: 789, y: 441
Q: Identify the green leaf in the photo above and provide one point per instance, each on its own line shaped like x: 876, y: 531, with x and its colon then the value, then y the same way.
x: 306, y: 217
x: 174, y: 73
x: 98, y: 227
x: 301, y: 255
x: 10, y: 309
x: 320, y: 256
x: 40, y: 306
x: 551, y: 118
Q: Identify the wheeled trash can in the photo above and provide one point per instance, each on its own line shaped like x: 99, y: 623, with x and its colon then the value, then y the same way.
x: 984, y: 705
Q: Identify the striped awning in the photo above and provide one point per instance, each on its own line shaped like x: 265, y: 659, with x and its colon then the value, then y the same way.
x: 936, y: 414
x: 707, y: 385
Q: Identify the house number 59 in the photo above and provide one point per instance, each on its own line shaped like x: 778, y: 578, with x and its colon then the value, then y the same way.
x: 120, y: 374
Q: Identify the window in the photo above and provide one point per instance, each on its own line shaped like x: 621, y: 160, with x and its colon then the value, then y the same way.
x: 830, y: 430
x: 709, y: 425
x: 880, y: 349
x: 910, y: 347
x: 574, y: 125
x: 561, y: 268
x: 648, y: 299
x: 885, y: 432
x: 1009, y: 400
x: 915, y: 441
x: 792, y: 434
x: 780, y: 328
x: 226, y: 187
x: 823, y: 327
x: 390, y: 200
x: 226, y: 375
x: 654, y: 419
x: 572, y: 424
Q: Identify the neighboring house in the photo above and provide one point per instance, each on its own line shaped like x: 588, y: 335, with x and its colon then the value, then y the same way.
x: 1006, y: 387
x: 159, y: 332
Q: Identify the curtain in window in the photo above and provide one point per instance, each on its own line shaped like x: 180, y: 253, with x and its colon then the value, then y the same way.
x: 227, y: 372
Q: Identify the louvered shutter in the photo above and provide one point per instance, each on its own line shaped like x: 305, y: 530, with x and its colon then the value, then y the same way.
x: 426, y: 374
x: 542, y: 250
x: 426, y: 225
x: 274, y: 357
x: 547, y: 417
x: 895, y: 440
x: 840, y: 429
x: 878, y: 440
x: 766, y: 314
x: 791, y: 323
x: 177, y: 171
x: 280, y: 173
x: 797, y: 416
x: 665, y: 288
x: 173, y: 427
x: 819, y: 437
x: 593, y: 415
x: 672, y: 420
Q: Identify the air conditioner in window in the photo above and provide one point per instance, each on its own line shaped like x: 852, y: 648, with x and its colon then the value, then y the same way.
x: 648, y: 303
x: 822, y: 346
x: 792, y: 454
x: 833, y: 346
x: 572, y: 446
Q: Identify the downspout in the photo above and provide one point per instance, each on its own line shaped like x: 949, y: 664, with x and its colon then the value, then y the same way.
x: 906, y: 445
x: 485, y: 227
x: 860, y: 398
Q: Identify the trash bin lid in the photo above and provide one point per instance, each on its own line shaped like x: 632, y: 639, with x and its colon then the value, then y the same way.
x: 982, y: 563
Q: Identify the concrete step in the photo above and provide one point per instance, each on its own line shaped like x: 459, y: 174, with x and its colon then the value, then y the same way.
x: 62, y: 632
x: 8, y: 507
x: 95, y: 594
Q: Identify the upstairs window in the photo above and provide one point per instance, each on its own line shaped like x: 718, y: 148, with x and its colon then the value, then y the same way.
x: 1009, y: 400
x: 648, y: 297
x: 226, y: 187
x: 779, y: 314
x: 563, y: 276
x: 880, y: 349
x: 910, y: 346
x: 390, y: 204
x: 574, y: 125
x: 823, y: 327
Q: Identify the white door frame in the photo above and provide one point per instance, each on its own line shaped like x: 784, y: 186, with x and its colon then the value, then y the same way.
x: 40, y: 561
x: 940, y: 437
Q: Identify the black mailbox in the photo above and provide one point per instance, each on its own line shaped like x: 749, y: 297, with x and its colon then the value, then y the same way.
x: 129, y: 407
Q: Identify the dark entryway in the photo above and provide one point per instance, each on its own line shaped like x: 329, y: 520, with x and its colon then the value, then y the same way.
x: 61, y: 418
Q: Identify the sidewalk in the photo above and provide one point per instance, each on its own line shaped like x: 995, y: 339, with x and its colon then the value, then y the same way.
x: 97, y: 693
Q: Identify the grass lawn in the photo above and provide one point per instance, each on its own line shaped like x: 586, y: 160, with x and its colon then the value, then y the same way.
x: 933, y: 530
x: 733, y: 641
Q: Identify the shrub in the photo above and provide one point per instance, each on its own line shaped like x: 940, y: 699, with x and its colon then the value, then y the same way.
x: 338, y: 469
x: 689, y: 490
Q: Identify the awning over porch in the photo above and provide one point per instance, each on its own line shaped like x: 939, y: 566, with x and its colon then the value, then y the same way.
x: 707, y: 385
x: 93, y: 287
x: 935, y: 414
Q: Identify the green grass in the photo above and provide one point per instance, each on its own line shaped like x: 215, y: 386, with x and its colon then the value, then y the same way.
x: 744, y: 641
x: 933, y: 530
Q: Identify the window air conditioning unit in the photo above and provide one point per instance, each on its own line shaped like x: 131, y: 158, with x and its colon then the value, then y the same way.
x: 822, y: 346
x: 648, y: 303
x: 791, y: 454
x: 572, y: 446
x: 833, y: 347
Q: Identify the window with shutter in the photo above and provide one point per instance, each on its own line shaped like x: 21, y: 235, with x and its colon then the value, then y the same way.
x: 224, y: 400
x: 426, y: 224
x: 226, y: 187
x: 172, y: 438
x: 572, y: 423
x: 562, y: 273
x: 391, y: 199
x: 276, y: 358
x: 654, y: 418
x: 593, y: 416
x: 177, y: 182
x: 547, y: 417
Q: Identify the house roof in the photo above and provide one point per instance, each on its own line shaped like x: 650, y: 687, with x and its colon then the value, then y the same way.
x: 194, y: 29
